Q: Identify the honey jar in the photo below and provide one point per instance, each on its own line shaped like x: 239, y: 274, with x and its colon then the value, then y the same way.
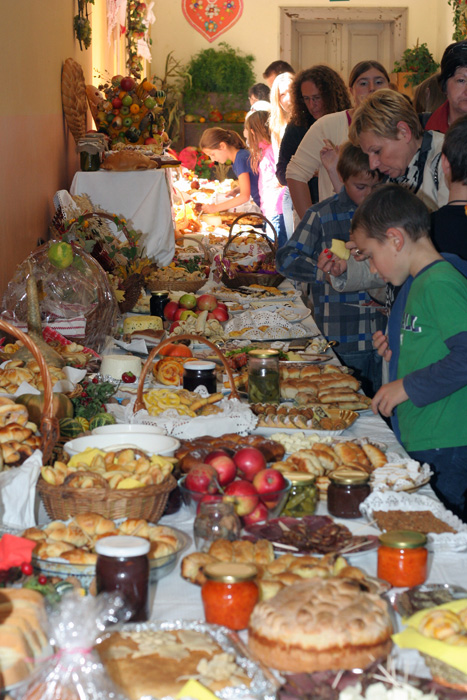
x: 403, y: 558
x: 346, y: 492
x: 229, y: 594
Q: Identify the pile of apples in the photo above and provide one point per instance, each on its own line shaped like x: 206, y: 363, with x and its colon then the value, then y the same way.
x: 242, y: 479
x: 191, y: 305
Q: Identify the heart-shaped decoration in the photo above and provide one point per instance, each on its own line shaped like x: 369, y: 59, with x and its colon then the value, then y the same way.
x: 211, y: 18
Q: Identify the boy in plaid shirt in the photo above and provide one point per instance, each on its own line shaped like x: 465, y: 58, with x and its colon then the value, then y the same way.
x: 344, y: 317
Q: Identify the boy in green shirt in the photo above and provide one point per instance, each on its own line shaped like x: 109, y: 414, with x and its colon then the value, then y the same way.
x: 392, y: 228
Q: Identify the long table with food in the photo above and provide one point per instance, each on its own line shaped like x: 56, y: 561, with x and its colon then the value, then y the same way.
x: 299, y: 525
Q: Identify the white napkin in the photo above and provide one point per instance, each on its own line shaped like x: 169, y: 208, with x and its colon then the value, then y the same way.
x: 73, y: 377
x: 138, y: 346
x: 18, y: 493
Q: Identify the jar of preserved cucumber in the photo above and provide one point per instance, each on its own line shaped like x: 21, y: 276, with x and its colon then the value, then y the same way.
x: 302, y: 496
x: 263, y: 376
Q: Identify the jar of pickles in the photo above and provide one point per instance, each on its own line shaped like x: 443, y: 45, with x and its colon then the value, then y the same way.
x: 302, y: 495
x: 263, y: 376
x: 229, y: 593
x: 403, y: 558
x: 346, y: 492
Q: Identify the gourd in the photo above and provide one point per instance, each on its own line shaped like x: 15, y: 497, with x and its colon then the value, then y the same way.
x: 101, y: 419
x: 72, y: 427
x: 62, y: 406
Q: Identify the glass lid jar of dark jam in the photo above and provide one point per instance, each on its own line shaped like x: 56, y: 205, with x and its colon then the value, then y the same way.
x: 200, y: 373
x: 157, y: 303
x: 123, y: 566
x: 346, y: 492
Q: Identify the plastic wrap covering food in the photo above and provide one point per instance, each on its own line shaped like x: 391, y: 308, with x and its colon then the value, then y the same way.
x: 74, y: 671
x: 79, y: 292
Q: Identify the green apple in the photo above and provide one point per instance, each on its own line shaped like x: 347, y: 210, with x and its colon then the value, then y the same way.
x: 187, y: 301
x: 127, y: 100
x: 128, y: 121
x: 124, y: 110
x: 186, y: 314
x: 150, y: 102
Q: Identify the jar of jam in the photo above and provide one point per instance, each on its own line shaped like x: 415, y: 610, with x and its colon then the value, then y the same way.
x: 157, y: 303
x: 229, y: 593
x: 346, y: 492
x: 123, y: 566
x: 403, y: 558
x: 263, y: 376
x: 302, y: 495
x: 200, y: 373
x: 214, y: 521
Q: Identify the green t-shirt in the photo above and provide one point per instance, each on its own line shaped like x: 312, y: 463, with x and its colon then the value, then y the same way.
x: 436, y: 310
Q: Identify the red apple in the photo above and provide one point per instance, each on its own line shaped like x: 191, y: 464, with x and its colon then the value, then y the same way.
x: 202, y: 478
x: 220, y: 314
x: 269, y: 481
x: 116, y: 103
x: 224, y: 466
x: 127, y: 83
x: 178, y: 313
x: 149, y: 140
x: 259, y: 514
x: 210, y: 316
x: 249, y: 462
x: 174, y: 326
x: 170, y: 309
x: 243, y: 495
x: 207, y: 301
x: 221, y: 305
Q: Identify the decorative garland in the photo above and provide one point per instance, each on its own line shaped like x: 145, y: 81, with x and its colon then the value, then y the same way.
x: 82, y: 25
x: 139, y: 19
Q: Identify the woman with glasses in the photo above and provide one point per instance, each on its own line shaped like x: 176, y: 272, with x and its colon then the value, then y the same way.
x: 314, y: 92
x: 332, y: 129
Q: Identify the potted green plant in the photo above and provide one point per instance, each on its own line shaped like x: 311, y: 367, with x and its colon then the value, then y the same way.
x: 220, y: 79
x: 415, y: 65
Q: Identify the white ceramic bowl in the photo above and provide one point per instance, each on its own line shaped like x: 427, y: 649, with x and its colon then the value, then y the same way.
x: 152, y: 444
x: 127, y: 429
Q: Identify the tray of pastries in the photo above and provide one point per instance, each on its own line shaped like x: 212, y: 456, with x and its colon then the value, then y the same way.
x: 328, y: 385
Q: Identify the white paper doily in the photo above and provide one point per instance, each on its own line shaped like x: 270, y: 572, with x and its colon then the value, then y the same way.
x: 397, y: 500
x: 263, y: 325
x: 236, y: 417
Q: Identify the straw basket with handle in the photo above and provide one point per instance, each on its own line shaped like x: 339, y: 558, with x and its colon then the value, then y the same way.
x: 158, y: 283
x: 133, y: 284
x: 245, y: 279
x: 49, y: 427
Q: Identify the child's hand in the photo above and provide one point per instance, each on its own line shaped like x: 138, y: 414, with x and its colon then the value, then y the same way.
x: 330, y: 263
x: 329, y: 155
x: 381, y: 345
x: 209, y: 208
x: 388, y: 397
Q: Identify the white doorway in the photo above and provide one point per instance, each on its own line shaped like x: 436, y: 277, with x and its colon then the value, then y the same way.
x: 341, y: 37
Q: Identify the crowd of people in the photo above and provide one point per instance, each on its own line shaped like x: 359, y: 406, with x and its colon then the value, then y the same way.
x: 366, y: 165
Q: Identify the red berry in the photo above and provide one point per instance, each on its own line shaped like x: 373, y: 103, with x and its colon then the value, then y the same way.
x: 84, y: 394
x: 95, y: 380
x: 27, y: 569
x: 42, y: 580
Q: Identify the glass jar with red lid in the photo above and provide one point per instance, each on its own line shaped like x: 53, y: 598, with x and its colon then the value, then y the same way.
x: 229, y: 593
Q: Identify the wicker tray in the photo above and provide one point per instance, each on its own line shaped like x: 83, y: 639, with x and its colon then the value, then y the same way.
x: 65, y: 501
x: 245, y: 279
x: 181, y: 285
x: 49, y: 427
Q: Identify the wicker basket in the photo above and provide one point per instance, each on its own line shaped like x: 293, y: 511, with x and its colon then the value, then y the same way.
x: 446, y: 675
x: 49, y: 427
x: 65, y: 501
x: 180, y: 285
x: 245, y: 279
x: 133, y: 284
x: 139, y: 403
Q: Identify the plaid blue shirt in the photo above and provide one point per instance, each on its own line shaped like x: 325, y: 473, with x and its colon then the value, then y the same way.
x: 352, y: 326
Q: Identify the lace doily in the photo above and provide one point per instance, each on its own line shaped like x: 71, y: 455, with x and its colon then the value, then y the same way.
x: 392, y: 500
x: 236, y: 417
x: 263, y: 325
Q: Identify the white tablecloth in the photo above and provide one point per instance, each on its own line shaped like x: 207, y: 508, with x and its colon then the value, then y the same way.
x: 142, y: 197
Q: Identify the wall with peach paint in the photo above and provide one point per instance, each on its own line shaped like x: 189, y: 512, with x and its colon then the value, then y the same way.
x: 37, y: 151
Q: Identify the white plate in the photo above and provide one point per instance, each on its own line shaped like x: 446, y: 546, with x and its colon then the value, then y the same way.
x: 267, y: 432
x: 294, y: 315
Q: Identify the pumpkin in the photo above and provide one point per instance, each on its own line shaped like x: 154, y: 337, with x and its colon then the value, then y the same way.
x: 72, y: 427
x: 62, y: 406
x: 101, y: 419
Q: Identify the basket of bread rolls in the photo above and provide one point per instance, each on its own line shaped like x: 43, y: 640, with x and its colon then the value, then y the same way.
x: 15, y: 417
x: 263, y: 271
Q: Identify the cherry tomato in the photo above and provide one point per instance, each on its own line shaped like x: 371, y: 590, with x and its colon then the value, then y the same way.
x: 95, y: 380
x: 42, y: 580
x: 128, y: 377
x: 27, y: 569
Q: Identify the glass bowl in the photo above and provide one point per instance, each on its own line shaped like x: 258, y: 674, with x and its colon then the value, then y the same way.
x: 192, y: 499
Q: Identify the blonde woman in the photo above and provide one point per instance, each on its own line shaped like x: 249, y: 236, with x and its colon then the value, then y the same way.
x: 280, y: 109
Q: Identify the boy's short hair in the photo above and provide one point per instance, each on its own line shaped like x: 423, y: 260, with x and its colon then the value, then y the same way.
x: 260, y: 90
x: 352, y: 161
x: 392, y: 206
x: 277, y: 67
x: 455, y: 149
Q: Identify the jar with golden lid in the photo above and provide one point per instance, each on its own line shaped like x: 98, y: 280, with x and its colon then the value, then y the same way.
x: 263, y: 376
x: 229, y: 593
x: 403, y: 558
x: 302, y: 495
x: 345, y: 493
